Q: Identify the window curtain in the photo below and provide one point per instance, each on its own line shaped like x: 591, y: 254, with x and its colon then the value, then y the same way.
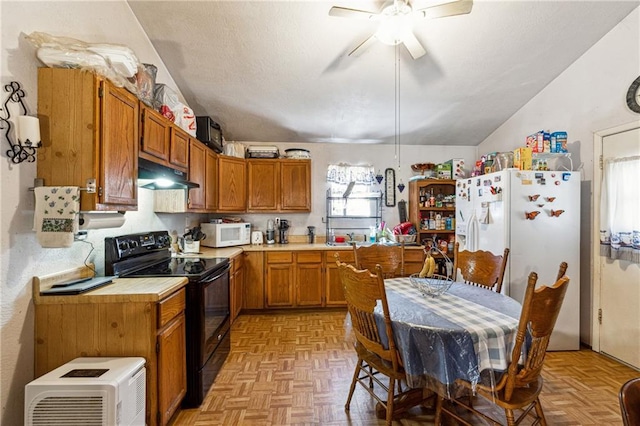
x: 620, y: 209
x: 340, y: 175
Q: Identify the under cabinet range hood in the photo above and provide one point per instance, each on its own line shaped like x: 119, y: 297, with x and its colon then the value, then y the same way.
x: 162, y: 177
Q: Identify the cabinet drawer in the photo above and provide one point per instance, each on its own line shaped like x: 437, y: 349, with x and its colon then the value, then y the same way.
x: 413, y: 255
x: 346, y: 256
x: 280, y: 257
x: 170, y: 307
x: 309, y: 257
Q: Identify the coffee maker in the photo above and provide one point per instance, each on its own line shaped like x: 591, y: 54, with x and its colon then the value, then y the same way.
x: 283, y: 226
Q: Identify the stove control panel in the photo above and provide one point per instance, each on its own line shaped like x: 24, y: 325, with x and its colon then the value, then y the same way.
x: 132, y: 245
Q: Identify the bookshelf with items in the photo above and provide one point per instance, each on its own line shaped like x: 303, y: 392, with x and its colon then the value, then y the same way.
x: 432, y: 211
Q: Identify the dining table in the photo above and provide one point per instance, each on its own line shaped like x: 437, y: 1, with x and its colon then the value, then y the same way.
x: 466, y: 333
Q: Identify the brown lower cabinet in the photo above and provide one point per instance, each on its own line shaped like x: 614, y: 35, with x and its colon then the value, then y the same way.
x: 109, y: 327
x: 294, y: 279
x: 334, y: 290
x: 413, y: 261
x: 236, y: 285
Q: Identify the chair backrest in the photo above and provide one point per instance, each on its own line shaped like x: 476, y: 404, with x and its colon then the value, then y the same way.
x: 630, y: 402
x: 562, y: 270
x: 480, y: 268
x: 390, y: 258
x: 540, y: 310
x: 363, y: 290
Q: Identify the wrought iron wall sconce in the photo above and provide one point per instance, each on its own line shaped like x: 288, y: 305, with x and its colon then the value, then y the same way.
x: 27, y: 133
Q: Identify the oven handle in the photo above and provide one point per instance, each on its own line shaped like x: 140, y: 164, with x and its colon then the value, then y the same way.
x: 215, y: 277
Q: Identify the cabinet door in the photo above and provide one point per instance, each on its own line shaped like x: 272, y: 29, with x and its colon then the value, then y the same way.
x: 155, y: 136
x: 333, y: 288
x: 280, y: 285
x: 197, y: 166
x: 237, y: 293
x: 232, y: 184
x: 172, y: 370
x: 210, y: 185
x: 295, y: 185
x: 118, y: 146
x: 263, y: 182
x: 253, y: 294
x: 309, y: 278
x: 179, y: 149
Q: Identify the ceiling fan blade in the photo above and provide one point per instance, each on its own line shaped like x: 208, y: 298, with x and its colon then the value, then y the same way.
x: 413, y: 46
x: 344, y: 12
x: 363, y: 46
x: 459, y: 7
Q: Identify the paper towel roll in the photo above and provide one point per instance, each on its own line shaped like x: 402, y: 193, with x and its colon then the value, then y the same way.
x: 101, y: 220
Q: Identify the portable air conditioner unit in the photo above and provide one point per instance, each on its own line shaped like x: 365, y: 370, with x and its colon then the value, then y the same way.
x: 89, y: 391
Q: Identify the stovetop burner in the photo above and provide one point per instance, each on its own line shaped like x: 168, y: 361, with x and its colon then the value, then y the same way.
x: 180, y: 266
x: 147, y: 255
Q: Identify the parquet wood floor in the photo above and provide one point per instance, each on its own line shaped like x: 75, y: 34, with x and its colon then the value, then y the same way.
x: 295, y: 369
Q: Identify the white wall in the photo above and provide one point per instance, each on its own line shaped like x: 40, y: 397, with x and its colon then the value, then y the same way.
x: 20, y: 255
x: 379, y: 156
x: 587, y: 97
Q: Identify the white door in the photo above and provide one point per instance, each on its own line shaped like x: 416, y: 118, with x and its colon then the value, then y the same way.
x: 619, y: 279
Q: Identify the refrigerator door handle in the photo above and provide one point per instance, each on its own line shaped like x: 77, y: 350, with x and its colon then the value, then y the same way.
x: 472, y: 232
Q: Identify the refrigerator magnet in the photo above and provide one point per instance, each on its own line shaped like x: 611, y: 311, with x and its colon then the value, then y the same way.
x: 566, y: 176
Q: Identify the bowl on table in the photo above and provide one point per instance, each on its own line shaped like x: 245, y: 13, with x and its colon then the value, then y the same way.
x: 431, y: 286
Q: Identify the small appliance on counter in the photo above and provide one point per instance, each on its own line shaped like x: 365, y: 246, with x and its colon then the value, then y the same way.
x: 226, y: 234
x: 271, y: 232
x: 256, y: 237
x: 283, y: 230
x: 311, y: 234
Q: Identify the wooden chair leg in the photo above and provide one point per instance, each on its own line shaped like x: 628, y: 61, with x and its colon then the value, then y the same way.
x: 511, y: 420
x: 540, y: 413
x: 390, y: 396
x: 353, y: 382
x: 438, y: 418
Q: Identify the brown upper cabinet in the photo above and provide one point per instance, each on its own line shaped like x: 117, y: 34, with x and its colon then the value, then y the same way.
x: 230, y: 182
x: 161, y: 141
x: 197, y: 174
x: 281, y: 185
x: 89, y: 134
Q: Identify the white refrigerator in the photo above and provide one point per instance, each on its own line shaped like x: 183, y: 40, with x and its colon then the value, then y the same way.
x: 536, y: 214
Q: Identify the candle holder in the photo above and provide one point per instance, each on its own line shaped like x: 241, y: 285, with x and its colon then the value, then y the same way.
x: 27, y: 131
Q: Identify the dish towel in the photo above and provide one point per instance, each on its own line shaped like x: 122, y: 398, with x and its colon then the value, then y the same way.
x: 56, y: 215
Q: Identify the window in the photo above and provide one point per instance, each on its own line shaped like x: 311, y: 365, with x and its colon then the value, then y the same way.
x: 620, y: 209
x: 353, y: 181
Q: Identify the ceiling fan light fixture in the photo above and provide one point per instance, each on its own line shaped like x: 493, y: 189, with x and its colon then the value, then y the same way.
x: 394, y: 28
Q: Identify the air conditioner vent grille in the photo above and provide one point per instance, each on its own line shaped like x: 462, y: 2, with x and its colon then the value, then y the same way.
x: 68, y: 411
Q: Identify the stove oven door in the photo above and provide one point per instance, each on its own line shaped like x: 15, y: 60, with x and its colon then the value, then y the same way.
x: 208, y: 323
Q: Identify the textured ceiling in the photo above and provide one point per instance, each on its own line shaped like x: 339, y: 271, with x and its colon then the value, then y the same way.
x: 279, y: 71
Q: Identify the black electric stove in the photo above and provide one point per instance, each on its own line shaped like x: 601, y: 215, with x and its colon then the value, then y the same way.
x: 147, y: 255
x: 208, y: 319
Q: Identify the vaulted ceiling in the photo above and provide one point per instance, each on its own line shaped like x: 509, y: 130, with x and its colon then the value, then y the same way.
x: 279, y: 71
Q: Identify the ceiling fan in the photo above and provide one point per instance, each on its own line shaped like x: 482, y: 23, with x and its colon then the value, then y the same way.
x: 396, y: 22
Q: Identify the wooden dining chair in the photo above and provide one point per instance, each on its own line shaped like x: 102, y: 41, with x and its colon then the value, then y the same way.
x: 630, y: 402
x: 363, y: 291
x: 519, y: 388
x: 390, y: 258
x: 480, y: 268
x: 562, y: 270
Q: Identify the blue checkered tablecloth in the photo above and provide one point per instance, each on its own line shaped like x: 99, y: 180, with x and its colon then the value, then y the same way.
x: 456, y: 335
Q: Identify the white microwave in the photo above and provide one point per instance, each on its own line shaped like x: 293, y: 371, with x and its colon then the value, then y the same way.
x: 226, y: 234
